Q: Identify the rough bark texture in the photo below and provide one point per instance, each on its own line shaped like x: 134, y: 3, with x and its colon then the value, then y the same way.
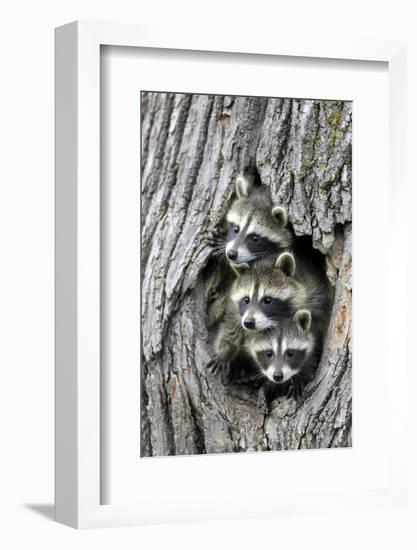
x: 193, y: 146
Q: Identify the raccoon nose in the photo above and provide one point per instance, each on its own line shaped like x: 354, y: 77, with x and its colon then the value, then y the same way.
x: 278, y: 376
x: 249, y: 323
x: 232, y: 255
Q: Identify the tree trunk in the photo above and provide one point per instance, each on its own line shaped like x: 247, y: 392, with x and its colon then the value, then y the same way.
x: 193, y: 147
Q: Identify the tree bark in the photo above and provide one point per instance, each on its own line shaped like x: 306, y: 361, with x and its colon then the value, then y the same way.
x: 193, y: 147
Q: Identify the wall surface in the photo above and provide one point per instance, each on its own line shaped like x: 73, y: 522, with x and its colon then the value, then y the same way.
x: 26, y: 275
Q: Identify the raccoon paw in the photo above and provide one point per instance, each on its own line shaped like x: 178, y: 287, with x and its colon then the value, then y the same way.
x: 218, y: 365
x: 213, y: 294
x: 214, y: 237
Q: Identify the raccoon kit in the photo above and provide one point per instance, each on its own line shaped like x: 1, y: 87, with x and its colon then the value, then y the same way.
x: 280, y: 296
x: 256, y: 228
x: 286, y: 357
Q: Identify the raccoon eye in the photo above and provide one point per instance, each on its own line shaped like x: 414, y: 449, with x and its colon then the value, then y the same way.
x: 269, y: 354
x: 267, y: 300
x: 236, y: 229
x: 246, y: 299
x: 255, y: 238
x: 289, y: 352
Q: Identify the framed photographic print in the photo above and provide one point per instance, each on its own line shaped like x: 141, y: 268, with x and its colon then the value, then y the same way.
x: 218, y: 319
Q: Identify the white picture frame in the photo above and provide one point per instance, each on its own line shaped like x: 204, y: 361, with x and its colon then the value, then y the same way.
x: 78, y: 257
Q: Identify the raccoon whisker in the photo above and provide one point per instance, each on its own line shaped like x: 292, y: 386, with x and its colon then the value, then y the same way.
x: 259, y: 253
x: 234, y: 324
x: 244, y: 261
x: 279, y: 319
x: 217, y: 252
x: 265, y: 326
x: 216, y: 237
x: 272, y: 328
x: 215, y: 242
x: 251, y: 257
x: 219, y: 246
x: 260, y: 375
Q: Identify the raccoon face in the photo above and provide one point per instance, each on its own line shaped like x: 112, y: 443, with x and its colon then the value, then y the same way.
x: 281, y: 354
x: 260, y: 311
x: 267, y: 294
x: 256, y: 227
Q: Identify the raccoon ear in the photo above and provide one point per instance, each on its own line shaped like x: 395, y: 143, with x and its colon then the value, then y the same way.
x: 286, y: 263
x: 280, y: 215
x: 302, y: 319
x: 242, y: 187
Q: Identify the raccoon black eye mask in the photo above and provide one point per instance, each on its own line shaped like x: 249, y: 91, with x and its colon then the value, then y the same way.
x: 244, y: 246
x: 264, y: 313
